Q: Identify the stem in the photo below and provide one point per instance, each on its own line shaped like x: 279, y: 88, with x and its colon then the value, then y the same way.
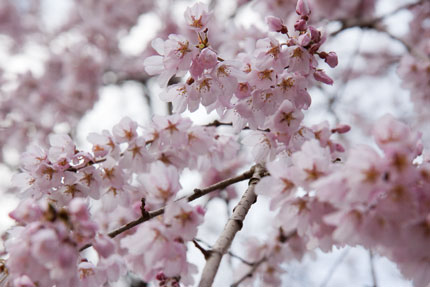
x: 196, y: 194
x: 334, y: 267
x: 205, y: 252
x: 332, y: 101
x: 229, y: 253
x: 233, y: 225
x: 217, y: 123
x: 255, y: 265
x: 373, y: 270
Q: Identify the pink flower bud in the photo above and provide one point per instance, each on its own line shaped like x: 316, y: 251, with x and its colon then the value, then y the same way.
x: 275, y: 24
x: 341, y: 129
x: 160, y: 276
x: 331, y: 59
x: 322, y: 77
x: 304, y: 40
x: 302, y: 8
x: 300, y: 25
x: 315, y: 34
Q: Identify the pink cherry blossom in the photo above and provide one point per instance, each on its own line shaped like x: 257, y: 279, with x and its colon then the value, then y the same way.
x: 161, y: 184
x: 183, y: 219
x: 197, y: 17
x: 125, y: 131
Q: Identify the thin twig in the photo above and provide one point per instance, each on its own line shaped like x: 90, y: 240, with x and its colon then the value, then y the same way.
x: 229, y: 253
x: 250, y: 273
x: 217, y: 123
x: 372, y: 23
x: 206, y: 253
x: 282, y: 238
x: 375, y: 25
x: 233, y: 225
x: 401, y: 8
x: 345, y: 80
x: 373, y: 270
x: 334, y: 267
x: 196, y: 194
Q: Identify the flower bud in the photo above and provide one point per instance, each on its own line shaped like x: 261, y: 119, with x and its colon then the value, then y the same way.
x: 276, y: 24
x: 300, y: 25
x: 331, y: 59
x: 302, y: 8
x: 322, y: 77
x: 341, y: 129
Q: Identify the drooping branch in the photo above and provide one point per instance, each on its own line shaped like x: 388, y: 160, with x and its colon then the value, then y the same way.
x: 196, y: 194
x: 372, y: 23
x: 375, y: 24
x: 233, y: 225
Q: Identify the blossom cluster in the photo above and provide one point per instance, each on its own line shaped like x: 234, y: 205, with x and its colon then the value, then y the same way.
x: 264, y: 86
x: 66, y: 82
x: 414, y: 67
x: 376, y: 198
x: 126, y: 166
x: 160, y: 246
x: 43, y: 249
x: 167, y: 146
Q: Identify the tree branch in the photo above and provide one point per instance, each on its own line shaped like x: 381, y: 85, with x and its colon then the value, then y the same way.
x: 205, y: 252
x: 233, y: 225
x: 217, y: 123
x: 229, y: 253
x: 196, y: 194
x: 372, y: 23
x: 375, y: 25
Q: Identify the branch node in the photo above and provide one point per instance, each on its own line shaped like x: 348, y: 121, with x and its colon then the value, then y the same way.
x: 240, y: 223
x: 145, y: 213
x: 206, y: 253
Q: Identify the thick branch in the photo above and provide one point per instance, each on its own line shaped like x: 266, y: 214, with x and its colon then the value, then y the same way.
x: 196, y: 194
x: 233, y: 225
